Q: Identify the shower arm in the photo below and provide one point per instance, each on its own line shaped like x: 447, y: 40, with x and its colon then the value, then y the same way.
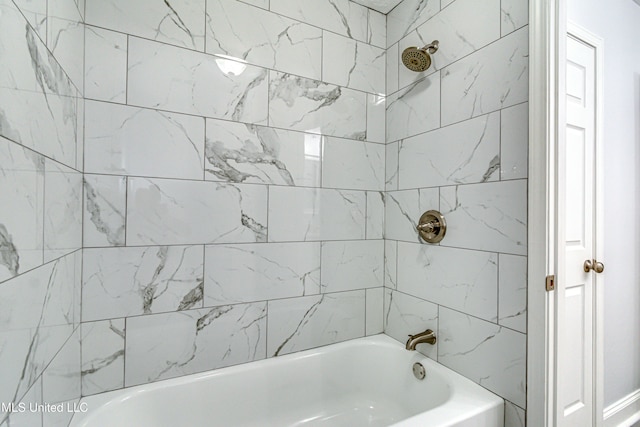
x: 432, y: 47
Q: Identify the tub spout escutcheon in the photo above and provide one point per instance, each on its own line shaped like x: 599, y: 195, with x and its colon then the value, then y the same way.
x: 427, y: 336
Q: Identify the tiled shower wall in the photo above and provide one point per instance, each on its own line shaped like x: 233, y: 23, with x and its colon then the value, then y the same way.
x: 41, y: 80
x: 457, y: 142
x: 234, y: 178
x: 234, y: 187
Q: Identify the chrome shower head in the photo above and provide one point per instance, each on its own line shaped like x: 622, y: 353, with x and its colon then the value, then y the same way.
x: 419, y: 59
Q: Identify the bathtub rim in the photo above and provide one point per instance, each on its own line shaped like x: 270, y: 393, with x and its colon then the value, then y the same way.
x: 485, y: 399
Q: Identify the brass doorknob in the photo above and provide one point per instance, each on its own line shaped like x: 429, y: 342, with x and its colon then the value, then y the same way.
x: 593, y: 265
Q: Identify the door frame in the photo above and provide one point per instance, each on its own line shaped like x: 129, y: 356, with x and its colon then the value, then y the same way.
x: 548, y: 29
x: 547, y: 21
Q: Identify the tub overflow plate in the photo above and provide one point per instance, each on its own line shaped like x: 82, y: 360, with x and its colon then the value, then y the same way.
x: 418, y: 371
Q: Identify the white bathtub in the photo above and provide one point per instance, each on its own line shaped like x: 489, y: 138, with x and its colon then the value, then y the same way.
x: 363, y: 382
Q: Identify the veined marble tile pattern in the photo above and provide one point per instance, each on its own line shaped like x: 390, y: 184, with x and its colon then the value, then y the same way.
x: 234, y: 178
x: 38, y: 101
x: 41, y: 191
x: 40, y: 311
x: 264, y: 38
x: 21, y: 228
x: 104, y: 210
x: 384, y: 6
x: 102, y: 356
x: 179, y: 23
x: 105, y: 72
x: 174, y: 344
x: 457, y: 142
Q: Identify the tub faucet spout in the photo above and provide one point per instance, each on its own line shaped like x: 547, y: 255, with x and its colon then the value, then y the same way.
x: 427, y: 336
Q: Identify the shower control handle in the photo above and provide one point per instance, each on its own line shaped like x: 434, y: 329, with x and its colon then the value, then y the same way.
x: 593, y: 265
x: 432, y: 226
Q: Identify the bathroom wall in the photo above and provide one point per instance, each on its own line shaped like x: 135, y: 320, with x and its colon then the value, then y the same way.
x: 41, y: 150
x: 233, y: 195
x: 457, y: 142
x: 232, y: 205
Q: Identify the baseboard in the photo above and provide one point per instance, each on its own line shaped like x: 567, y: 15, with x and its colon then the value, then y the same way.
x: 623, y: 413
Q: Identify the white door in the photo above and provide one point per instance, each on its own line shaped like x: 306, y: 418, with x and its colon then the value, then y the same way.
x: 576, y: 239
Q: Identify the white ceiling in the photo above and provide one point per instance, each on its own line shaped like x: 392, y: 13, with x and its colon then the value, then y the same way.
x: 383, y: 6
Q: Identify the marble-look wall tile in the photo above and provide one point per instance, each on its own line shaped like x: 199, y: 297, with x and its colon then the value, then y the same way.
x: 125, y: 140
x: 376, y: 118
x: 81, y: 7
x: 263, y: 38
x: 35, y: 11
x: 175, y: 344
x: 393, y: 68
x: 515, y: 15
x: 309, y: 214
x: 26, y: 418
x: 467, y: 152
x: 374, y: 311
x: 171, y: 78
x: 65, y: 40
x: 258, y: 272
x: 512, y: 301
x: 298, y: 324
x: 377, y: 29
x: 428, y: 199
x: 32, y: 65
x: 21, y: 226
x: 390, y: 264
x: 121, y: 282
x: 514, y: 148
x: 61, y: 379
x: 164, y: 212
x: 402, y: 213
x: 317, y: 107
x: 352, y: 164
x: 461, y: 29
x: 407, y: 315
x: 513, y: 416
x: 259, y: 3
x: 445, y: 3
x: 37, y: 311
x: 14, y: 354
x: 432, y: 273
x: 491, y: 78
x: 347, y: 62
x: 105, y: 70
x: 415, y: 109
x: 178, y: 22
x: 484, y: 352
x: 375, y: 215
x: 30, y: 122
x: 391, y: 166
x: 491, y: 216
x: 239, y: 152
x: 79, y: 165
x: 352, y: 265
x: 60, y: 419
x: 62, y: 210
x: 407, y: 16
x: 339, y: 16
x: 105, y: 199
x: 64, y: 9
x: 37, y: 99
x: 102, y: 356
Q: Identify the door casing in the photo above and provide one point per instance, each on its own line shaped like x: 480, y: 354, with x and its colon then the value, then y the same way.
x: 547, y: 47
